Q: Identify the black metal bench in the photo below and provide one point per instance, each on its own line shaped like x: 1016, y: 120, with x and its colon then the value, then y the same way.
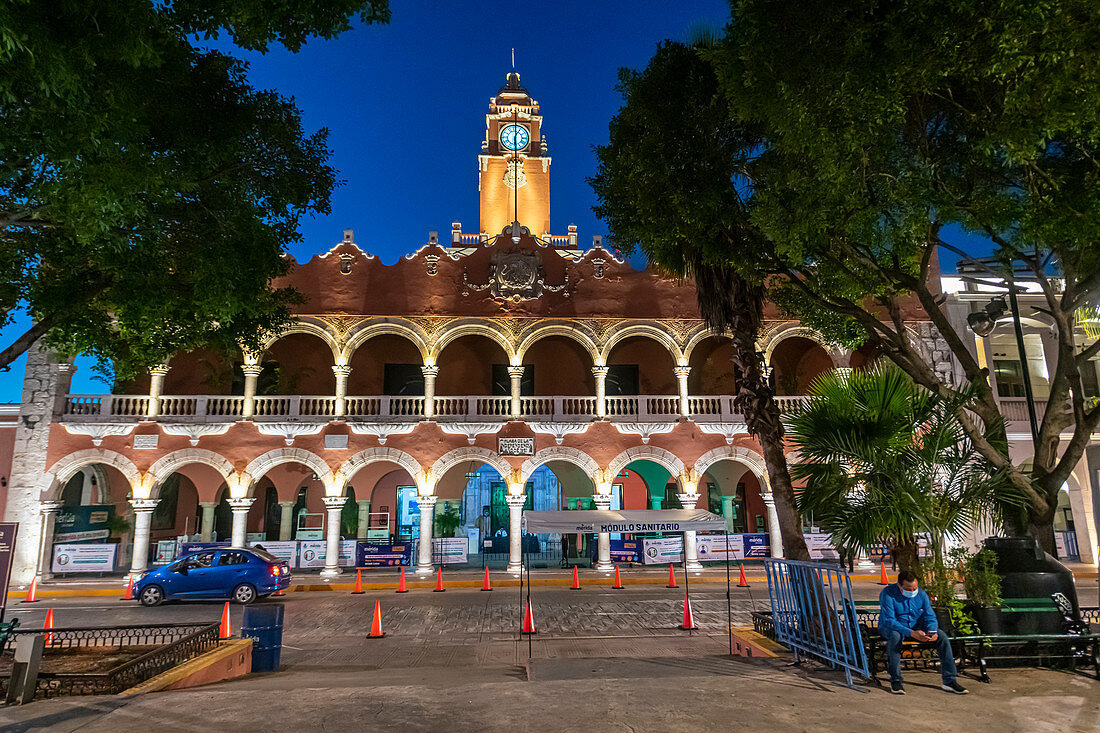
x: 7, y: 629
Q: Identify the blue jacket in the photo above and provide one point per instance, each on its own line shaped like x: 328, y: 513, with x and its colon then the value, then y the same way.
x: 901, y: 614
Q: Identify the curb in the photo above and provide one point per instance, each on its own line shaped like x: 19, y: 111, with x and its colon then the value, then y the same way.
x: 235, y: 654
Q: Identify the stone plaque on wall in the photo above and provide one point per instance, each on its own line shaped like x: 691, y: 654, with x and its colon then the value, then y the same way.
x: 516, y: 446
x: 145, y: 442
x: 336, y: 442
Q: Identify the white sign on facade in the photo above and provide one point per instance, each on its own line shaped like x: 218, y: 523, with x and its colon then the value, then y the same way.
x: 311, y: 554
x: 146, y: 442
x: 166, y: 552
x: 662, y: 551
x: 286, y: 551
x: 84, y: 558
x: 516, y: 446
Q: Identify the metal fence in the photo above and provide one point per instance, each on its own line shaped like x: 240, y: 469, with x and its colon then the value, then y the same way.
x: 172, y: 645
x: 813, y: 613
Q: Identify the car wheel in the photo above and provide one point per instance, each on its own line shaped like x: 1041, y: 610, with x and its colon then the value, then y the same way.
x: 151, y: 595
x: 244, y: 594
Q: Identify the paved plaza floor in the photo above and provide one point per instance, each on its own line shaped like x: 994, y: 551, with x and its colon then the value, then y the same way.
x: 602, y: 660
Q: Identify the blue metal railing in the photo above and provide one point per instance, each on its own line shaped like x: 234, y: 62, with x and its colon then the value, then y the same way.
x: 814, y: 615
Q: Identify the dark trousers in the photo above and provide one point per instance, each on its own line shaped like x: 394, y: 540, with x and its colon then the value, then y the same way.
x: 943, y: 648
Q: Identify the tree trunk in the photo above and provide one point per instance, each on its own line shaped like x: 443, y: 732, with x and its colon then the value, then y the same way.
x: 730, y: 304
x: 1040, y: 519
x: 907, y: 555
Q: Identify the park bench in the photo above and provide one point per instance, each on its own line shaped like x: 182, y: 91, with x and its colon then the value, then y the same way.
x: 6, y: 632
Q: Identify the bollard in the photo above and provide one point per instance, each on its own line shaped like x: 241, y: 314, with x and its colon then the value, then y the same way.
x: 24, y: 672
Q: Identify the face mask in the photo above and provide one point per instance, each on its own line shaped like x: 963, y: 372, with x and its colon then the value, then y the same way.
x: 910, y: 593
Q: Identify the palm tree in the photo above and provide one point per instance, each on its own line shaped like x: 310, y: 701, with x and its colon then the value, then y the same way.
x: 883, y: 459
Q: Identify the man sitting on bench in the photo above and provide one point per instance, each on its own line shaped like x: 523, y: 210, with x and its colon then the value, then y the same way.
x: 905, y: 612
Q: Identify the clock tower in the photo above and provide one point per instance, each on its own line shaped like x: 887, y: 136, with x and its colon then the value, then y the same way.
x: 514, y: 167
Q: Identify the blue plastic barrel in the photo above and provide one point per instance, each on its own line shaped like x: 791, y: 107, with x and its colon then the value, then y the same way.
x: 264, y: 625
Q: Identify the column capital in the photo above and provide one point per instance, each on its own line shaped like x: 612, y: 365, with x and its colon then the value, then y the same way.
x: 48, y: 507
x: 430, y: 370
x: 688, y: 501
x: 516, y: 371
x: 426, y: 502
x: 362, y: 503
x: 334, y: 502
x: 599, y: 371
x: 159, y: 370
x: 516, y: 500
x: 252, y: 370
x: 144, y: 505
x: 341, y: 370
x: 239, y: 503
x: 289, y: 503
x: 681, y: 372
x: 208, y: 503
x: 769, y: 498
x: 602, y: 501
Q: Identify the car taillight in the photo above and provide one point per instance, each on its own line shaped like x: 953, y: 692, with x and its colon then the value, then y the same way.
x: 275, y: 569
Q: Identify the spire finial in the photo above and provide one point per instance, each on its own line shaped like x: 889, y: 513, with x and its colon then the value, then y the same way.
x: 513, y: 59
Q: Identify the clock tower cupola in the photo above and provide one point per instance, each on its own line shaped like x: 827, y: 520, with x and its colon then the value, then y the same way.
x: 514, y: 165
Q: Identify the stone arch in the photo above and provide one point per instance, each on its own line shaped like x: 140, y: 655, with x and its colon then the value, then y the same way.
x: 262, y: 464
x: 660, y: 456
x: 66, y: 468
x: 697, y: 338
x: 366, y: 457
x: 393, y: 328
x: 470, y: 453
x: 750, y: 459
x: 308, y: 327
x: 556, y: 329
x: 560, y: 453
x: 166, y: 465
x: 474, y: 328
x: 645, y: 330
x: 770, y: 340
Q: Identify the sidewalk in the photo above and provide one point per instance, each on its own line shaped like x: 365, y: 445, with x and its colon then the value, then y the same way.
x: 387, y: 579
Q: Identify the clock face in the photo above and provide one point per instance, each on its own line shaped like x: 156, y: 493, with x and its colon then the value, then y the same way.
x: 514, y: 137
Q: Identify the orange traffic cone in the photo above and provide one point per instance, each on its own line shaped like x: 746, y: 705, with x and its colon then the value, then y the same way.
x: 671, y: 577
x: 485, y: 584
x: 689, y: 619
x: 528, y: 620
x: 278, y: 593
x: 129, y: 594
x: 401, y: 583
x: 743, y: 582
x: 618, y: 581
x: 48, y: 624
x: 223, y: 632
x: 576, y: 580
x: 439, y: 582
x: 882, y: 579
x: 32, y: 592
x: 376, y: 625
x: 358, y: 583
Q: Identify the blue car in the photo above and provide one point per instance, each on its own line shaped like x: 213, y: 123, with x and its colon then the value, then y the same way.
x: 238, y: 574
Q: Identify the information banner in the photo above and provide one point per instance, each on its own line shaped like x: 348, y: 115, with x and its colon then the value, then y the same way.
x: 286, y: 551
x: 662, y: 551
x: 756, y: 545
x: 369, y: 555
x: 712, y: 547
x: 84, y: 558
x: 821, y: 547
x: 311, y: 553
x: 189, y: 547
x: 166, y: 552
x: 450, y: 550
x: 8, y: 531
x: 624, y: 550
x: 83, y: 523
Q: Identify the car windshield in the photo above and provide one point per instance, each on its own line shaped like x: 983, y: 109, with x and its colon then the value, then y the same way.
x: 264, y: 555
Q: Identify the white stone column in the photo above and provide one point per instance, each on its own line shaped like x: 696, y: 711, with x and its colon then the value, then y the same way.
x: 515, y: 375
x: 691, y: 551
x: 47, y: 515
x: 682, y: 373
x: 515, y: 531
x: 342, y: 371
x: 207, y: 532
x: 251, y: 377
x: 431, y: 371
x: 334, y: 505
x: 600, y: 373
x: 286, y: 520
x: 240, y: 507
x: 427, y: 515
x: 727, y: 511
x: 156, y: 386
x: 775, y: 537
x: 603, y: 556
x: 143, y: 519
x: 364, y: 518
